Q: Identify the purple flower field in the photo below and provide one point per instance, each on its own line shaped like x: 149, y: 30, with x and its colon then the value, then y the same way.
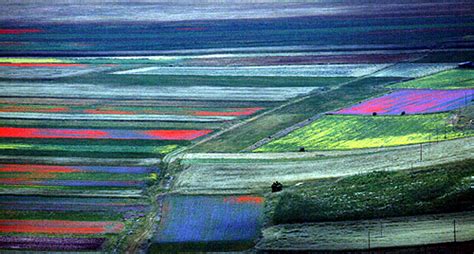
x: 210, y: 218
x: 413, y: 102
x: 91, y: 183
x: 120, y: 170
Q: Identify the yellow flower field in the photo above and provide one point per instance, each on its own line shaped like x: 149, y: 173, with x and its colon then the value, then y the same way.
x: 337, y: 132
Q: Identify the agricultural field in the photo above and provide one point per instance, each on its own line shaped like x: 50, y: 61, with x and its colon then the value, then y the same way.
x: 66, y: 223
x: 451, y: 79
x: 354, y: 132
x: 46, y: 70
x: 160, y: 127
x: 417, y: 101
x: 424, y: 230
x: 66, y: 178
x: 342, y: 70
x: 376, y: 195
x: 245, y: 136
x: 413, y: 70
x: 209, y: 222
x: 97, y: 143
x: 236, y: 173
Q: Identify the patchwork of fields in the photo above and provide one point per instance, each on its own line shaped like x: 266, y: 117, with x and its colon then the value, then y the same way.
x: 130, y: 128
x: 82, y: 156
x: 67, y: 143
x: 48, y: 223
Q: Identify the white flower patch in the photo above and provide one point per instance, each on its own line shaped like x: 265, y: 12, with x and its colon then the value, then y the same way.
x: 320, y: 70
x: 217, y: 93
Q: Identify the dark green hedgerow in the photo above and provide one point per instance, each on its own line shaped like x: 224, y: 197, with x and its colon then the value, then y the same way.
x: 436, y: 189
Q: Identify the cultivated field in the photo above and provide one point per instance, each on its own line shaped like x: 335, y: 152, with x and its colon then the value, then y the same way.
x: 342, y: 70
x: 414, y: 70
x: 452, y: 79
x: 417, y: 101
x: 160, y: 127
x: 199, y: 222
x: 251, y: 175
x: 351, y: 132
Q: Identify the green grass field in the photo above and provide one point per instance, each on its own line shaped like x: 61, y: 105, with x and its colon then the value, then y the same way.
x: 436, y: 189
x: 335, y: 132
x: 451, y: 79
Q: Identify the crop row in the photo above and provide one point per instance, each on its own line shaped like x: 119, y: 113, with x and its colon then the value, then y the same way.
x: 335, y: 70
x: 317, y: 70
x: 59, y: 226
x: 60, y: 223
x: 52, y: 176
x: 108, y: 91
x: 12, y: 132
x: 47, y: 70
x: 114, y: 110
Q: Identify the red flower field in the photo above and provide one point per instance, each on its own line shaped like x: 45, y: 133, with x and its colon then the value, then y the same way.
x: 12, y: 132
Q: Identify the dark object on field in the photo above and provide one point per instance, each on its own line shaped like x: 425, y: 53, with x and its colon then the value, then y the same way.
x: 466, y: 65
x: 302, y: 149
x: 277, y: 186
x: 374, y: 114
x: 403, y: 113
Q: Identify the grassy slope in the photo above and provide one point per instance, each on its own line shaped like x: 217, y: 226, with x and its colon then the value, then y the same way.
x: 352, y: 132
x: 436, y: 189
x: 418, y: 231
x: 451, y: 79
x: 240, y: 138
